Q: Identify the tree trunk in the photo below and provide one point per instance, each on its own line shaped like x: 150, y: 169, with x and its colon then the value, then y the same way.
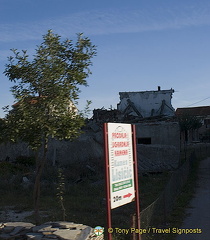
x: 40, y: 162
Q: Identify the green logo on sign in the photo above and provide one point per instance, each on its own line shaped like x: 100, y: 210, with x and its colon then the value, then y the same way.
x: 122, y: 185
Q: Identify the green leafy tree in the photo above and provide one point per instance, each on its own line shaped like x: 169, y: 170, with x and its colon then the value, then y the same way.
x: 46, y: 89
x: 2, y: 130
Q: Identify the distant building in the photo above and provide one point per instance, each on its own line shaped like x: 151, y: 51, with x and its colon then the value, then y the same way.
x: 70, y: 106
x: 203, y: 114
x: 146, y: 103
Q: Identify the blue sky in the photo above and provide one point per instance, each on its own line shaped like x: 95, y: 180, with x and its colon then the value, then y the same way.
x: 141, y: 44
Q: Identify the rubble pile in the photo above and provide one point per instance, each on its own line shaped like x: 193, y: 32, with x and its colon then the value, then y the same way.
x: 46, y: 231
x: 106, y: 115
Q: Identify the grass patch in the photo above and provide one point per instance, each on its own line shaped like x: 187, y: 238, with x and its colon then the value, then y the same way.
x: 84, y: 201
x: 151, y: 185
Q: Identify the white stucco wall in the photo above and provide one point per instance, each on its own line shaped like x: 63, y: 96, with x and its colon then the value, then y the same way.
x: 146, y: 101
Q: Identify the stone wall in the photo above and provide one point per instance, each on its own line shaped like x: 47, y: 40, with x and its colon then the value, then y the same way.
x: 157, y: 158
x: 47, y: 231
x: 9, y: 151
x: 161, y: 133
x: 83, y: 149
x: 86, y: 147
x: 163, y: 153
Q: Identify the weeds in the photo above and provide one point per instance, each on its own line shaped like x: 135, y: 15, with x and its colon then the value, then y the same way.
x: 61, y: 190
x: 78, y: 202
x: 182, y: 201
x: 81, y: 202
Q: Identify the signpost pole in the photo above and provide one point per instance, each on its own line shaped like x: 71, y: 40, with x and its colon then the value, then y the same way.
x: 108, y: 203
x: 121, y: 169
x: 136, y: 180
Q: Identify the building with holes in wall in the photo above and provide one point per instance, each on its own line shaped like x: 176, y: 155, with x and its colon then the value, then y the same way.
x: 146, y: 103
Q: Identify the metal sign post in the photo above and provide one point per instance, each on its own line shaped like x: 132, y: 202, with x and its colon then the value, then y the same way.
x: 108, y: 205
x: 136, y: 181
x: 121, y: 168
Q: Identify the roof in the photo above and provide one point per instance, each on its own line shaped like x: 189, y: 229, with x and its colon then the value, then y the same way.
x: 36, y: 99
x: 154, y: 91
x: 193, y: 111
x: 31, y: 100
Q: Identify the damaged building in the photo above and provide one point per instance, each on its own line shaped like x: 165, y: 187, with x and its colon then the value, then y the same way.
x: 146, y: 104
x: 158, y: 145
x: 157, y: 132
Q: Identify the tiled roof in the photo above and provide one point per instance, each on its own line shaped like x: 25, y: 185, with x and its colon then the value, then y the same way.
x: 193, y: 111
x: 32, y: 100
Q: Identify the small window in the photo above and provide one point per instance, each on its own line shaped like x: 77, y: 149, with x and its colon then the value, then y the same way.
x: 144, y: 140
x: 207, y: 121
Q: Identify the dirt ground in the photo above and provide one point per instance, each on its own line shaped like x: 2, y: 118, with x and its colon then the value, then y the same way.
x: 197, y: 222
x: 10, y: 214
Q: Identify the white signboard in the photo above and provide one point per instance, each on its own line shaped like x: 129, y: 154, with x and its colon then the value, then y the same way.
x: 121, y: 170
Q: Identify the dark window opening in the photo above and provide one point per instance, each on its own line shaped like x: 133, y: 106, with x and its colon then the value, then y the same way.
x: 206, y: 121
x: 144, y: 140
